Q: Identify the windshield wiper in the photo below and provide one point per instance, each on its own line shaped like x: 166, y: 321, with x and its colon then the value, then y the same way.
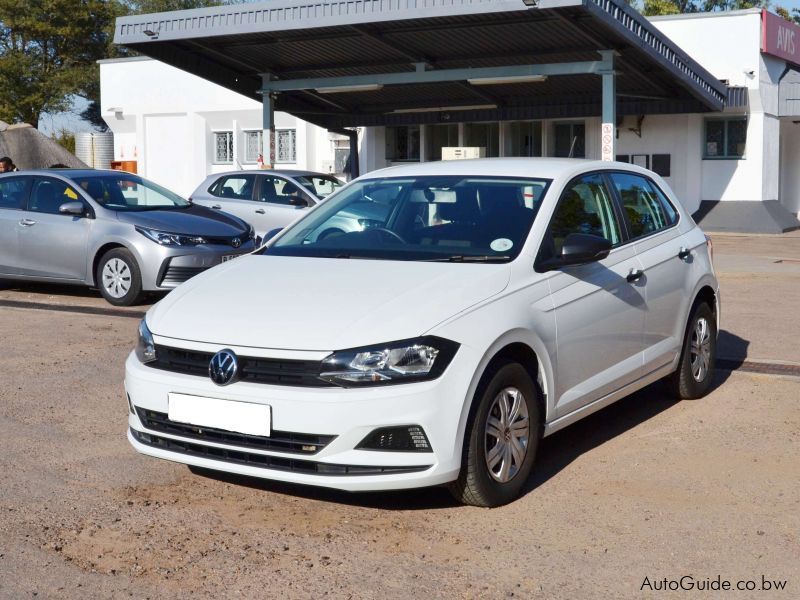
x: 470, y: 258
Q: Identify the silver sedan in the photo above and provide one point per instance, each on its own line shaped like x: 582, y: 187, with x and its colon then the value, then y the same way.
x: 111, y: 230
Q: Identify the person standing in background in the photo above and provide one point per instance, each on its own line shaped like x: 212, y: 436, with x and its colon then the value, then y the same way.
x: 7, y: 165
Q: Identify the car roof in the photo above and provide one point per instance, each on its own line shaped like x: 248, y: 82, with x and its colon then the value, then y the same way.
x: 71, y: 173
x: 284, y: 172
x: 533, y: 168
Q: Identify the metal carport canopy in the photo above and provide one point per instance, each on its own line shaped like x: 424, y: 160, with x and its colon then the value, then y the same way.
x: 287, y: 50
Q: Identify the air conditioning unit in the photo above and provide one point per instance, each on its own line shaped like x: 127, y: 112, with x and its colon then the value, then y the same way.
x: 463, y: 152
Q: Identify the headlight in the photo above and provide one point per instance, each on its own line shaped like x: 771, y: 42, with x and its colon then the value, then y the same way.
x: 396, y: 362
x: 145, y: 347
x: 170, y: 239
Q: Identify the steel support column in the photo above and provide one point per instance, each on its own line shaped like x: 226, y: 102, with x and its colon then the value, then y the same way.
x: 268, y: 127
x: 608, y: 137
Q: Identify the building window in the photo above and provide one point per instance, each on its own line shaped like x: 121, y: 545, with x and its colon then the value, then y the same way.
x: 440, y: 136
x: 285, y: 147
x: 570, y: 140
x: 223, y: 146
x: 252, y: 146
x: 725, y: 138
x: 484, y: 135
x: 402, y: 143
x: 524, y: 138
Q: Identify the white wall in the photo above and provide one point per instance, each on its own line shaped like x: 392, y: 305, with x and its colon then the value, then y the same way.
x: 789, y: 163
x: 164, y: 118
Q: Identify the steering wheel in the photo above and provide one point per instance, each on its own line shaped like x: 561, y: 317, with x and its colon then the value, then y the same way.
x: 389, y: 233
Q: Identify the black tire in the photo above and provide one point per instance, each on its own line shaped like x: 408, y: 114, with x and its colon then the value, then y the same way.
x: 133, y: 277
x: 691, y: 380
x: 476, y: 485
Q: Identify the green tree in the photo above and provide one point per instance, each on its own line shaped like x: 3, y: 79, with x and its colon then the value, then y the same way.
x: 47, y: 53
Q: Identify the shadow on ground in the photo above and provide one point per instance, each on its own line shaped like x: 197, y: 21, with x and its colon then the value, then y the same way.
x: 555, y: 454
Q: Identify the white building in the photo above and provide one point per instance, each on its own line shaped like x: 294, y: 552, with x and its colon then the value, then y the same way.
x: 178, y: 128
x: 738, y: 167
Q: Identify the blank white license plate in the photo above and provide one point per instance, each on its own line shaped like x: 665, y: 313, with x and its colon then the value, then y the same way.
x: 241, y: 417
x: 228, y: 257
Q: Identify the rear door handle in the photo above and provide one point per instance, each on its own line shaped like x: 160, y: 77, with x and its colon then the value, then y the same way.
x: 261, y: 211
x: 634, y: 275
x: 27, y: 222
x: 217, y: 206
x: 684, y: 253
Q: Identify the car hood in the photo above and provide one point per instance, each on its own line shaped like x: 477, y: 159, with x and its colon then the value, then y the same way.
x: 194, y: 220
x: 321, y: 304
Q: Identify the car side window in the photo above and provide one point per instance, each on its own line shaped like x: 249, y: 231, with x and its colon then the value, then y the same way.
x: 645, y: 206
x: 276, y: 190
x: 14, y: 192
x: 48, y: 195
x: 239, y: 187
x: 585, y: 207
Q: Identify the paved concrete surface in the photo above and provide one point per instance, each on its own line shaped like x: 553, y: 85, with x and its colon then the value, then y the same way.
x: 646, y: 488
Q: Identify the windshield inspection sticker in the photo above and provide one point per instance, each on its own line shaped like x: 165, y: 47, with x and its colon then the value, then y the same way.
x: 501, y: 245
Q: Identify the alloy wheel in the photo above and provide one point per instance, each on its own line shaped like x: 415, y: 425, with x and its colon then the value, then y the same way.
x: 700, y: 349
x: 507, y: 434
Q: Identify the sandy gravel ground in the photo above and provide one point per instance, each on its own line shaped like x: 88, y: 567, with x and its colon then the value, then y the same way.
x: 646, y: 488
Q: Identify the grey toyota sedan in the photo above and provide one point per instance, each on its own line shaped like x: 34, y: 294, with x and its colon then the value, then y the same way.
x: 111, y: 230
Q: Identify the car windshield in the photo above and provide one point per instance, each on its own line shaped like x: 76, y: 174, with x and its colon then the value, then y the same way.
x: 321, y: 186
x: 432, y: 218
x: 126, y: 192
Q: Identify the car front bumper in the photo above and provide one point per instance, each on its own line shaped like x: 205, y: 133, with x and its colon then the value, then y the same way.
x: 165, y: 268
x: 345, y: 415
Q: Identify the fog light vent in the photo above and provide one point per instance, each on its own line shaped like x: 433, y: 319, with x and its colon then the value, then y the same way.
x: 130, y: 405
x: 408, y: 438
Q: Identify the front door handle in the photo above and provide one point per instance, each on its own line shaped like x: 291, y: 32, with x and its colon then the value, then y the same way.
x: 27, y: 222
x: 217, y: 206
x: 261, y: 211
x: 684, y: 253
x: 634, y: 275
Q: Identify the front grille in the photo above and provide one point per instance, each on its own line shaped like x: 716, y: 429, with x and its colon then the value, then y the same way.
x: 278, y: 441
x: 228, y: 241
x: 300, y: 373
x: 176, y: 275
x: 275, y: 463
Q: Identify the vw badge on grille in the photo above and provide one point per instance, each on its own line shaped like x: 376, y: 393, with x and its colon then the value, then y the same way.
x: 223, y: 367
x: 236, y: 242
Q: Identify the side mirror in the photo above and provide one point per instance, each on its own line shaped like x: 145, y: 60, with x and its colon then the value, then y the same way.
x: 578, y: 249
x: 73, y: 207
x: 298, y: 201
x: 270, y: 234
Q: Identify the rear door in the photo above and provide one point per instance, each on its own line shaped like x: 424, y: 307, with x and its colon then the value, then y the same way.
x: 600, y: 313
x: 653, y: 225
x: 13, y: 198
x: 51, y: 244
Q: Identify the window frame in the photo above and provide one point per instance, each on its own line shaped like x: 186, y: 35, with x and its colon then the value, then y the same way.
x: 624, y: 232
x: 621, y: 206
x: 260, y: 136
x: 228, y: 132
x: 88, y: 209
x: 294, y: 146
x: 23, y: 205
x: 217, y: 183
x: 725, y: 120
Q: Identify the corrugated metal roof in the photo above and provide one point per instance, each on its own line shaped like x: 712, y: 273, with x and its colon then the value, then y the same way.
x: 297, y: 39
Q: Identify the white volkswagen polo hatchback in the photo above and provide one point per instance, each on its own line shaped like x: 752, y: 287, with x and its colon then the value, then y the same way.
x: 497, y: 302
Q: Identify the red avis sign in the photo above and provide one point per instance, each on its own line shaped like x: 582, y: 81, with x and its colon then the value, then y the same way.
x: 779, y: 37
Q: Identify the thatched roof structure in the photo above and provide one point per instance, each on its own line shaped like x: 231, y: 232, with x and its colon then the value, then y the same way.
x: 31, y: 149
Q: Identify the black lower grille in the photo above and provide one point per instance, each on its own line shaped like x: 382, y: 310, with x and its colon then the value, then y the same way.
x: 300, y: 373
x: 278, y: 441
x: 176, y: 275
x: 275, y: 463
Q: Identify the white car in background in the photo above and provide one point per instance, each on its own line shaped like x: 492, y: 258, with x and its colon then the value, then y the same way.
x: 498, y: 301
x: 267, y: 200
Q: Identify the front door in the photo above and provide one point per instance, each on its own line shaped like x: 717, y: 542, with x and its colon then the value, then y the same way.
x: 51, y: 244
x: 599, y: 312
x: 281, y: 202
